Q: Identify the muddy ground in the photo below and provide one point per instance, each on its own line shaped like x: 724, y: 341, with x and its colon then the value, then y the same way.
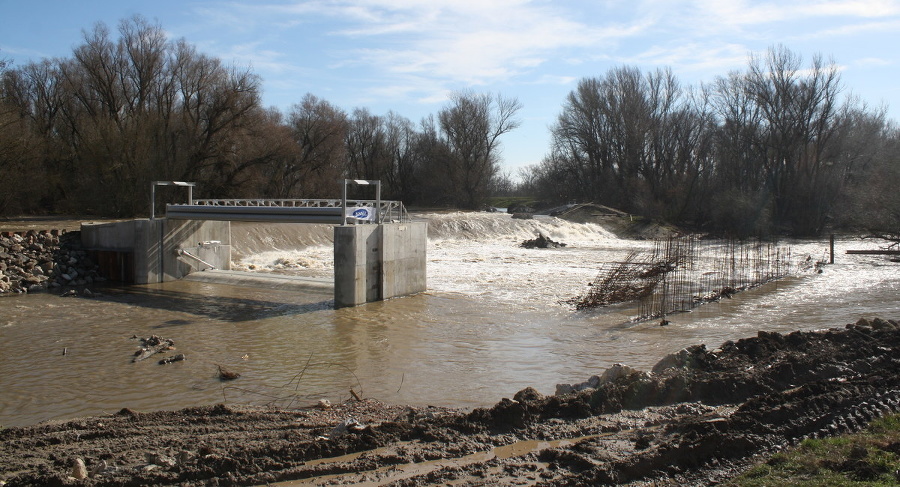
x: 700, y: 417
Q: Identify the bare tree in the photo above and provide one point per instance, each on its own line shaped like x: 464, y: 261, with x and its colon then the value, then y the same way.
x: 799, y: 108
x: 125, y: 111
x: 631, y: 140
x: 870, y: 200
x: 472, y: 125
x: 402, y: 176
x: 368, y: 155
x: 318, y: 130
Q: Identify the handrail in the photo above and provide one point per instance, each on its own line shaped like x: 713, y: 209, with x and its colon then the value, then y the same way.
x: 181, y: 252
x: 385, y: 213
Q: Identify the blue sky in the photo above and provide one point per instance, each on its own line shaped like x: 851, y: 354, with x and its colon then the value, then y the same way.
x: 407, y: 55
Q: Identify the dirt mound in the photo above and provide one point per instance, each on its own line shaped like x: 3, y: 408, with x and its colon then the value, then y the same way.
x: 698, y: 417
x: 622, y: 224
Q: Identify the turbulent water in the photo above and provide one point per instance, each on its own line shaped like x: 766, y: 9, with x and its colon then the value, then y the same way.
x: 491, y: 323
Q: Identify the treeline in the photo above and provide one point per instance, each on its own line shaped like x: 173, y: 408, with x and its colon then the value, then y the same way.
x: 89, y: 133
x: 776, y: 148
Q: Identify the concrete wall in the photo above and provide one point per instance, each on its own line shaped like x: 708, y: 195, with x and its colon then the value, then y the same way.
x: 403, y: 250
x: 375, y: 262
x: 155, y: 244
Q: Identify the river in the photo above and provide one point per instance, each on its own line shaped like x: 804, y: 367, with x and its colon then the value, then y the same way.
x: 491, y: 323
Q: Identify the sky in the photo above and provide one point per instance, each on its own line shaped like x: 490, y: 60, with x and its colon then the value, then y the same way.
x: 407, y: 56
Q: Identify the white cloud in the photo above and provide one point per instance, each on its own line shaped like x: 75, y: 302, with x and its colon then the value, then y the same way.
x: 471, y: 42
x: 854, y: 29
x: 549, y: 79
x: 415, y: 50
x: 694, y: 56
x: 872, y: 62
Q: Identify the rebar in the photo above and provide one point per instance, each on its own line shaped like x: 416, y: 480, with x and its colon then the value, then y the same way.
x: 681, y: 273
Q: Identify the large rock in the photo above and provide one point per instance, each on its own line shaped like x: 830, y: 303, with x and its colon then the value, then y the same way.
x: 686, y: 358
x: 612, y: 374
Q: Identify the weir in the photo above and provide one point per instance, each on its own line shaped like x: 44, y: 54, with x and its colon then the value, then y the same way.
x: 375, y: 256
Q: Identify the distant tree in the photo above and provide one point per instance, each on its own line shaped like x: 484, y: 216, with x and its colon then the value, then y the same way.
x: 433, y: 159
x: 126, y: 111
x: 472, y: 125
x: 870, y: 203
x: 502, y: 184
x: 403, y: 174
x: 33, y: 157
x: 799, y: 108
x: 630, y: 140
x: 368, y: 153
x: 13, y: 146
x: 318, y: 131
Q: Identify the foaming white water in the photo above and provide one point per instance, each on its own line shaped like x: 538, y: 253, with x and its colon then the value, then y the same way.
x: 249, y: 239
x: 478, y: 255
x: 502, y: 227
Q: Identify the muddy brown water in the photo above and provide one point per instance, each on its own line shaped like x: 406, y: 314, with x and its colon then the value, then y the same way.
x: 490, y: 325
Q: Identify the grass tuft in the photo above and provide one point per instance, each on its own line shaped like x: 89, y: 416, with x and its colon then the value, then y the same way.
x: 868, y: 458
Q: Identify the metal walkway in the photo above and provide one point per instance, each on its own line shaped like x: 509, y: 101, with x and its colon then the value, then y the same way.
x: 326, y: 211
x: 289, y: 210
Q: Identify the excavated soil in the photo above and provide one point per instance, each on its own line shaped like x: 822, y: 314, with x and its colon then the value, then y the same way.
x: 700, y: 417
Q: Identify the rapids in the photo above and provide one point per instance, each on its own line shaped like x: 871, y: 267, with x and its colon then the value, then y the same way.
x: 491, y: 324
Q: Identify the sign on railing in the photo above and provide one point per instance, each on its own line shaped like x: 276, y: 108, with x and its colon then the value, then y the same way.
x: 361, y: 213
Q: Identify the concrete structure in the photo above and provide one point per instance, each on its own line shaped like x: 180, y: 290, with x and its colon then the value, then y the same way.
x: 372, y: 262
x: 377, y: 262
x: 150, y: 251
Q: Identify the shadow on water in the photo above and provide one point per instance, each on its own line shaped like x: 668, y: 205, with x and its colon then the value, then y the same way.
x: 211, y: 306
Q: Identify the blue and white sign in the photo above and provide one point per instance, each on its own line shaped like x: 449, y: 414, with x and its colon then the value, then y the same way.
x: 361, y: 213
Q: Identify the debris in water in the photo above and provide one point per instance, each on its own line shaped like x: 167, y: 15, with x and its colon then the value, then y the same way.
x: 151, y: 346
x: 225, y: 374
x: 169, y: 360
x: 542, y: 242
x: 634, y: 278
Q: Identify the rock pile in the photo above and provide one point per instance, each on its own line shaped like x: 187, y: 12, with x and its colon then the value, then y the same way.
x: 542, y: 242
x: 36, y: 261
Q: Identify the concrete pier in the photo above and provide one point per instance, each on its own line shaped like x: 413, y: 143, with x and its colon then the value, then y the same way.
x: 377, y: 262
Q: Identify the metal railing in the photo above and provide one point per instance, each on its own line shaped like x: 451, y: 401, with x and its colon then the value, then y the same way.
x: 339, y: 211
x: 282, y: 203
x: 323, y: 210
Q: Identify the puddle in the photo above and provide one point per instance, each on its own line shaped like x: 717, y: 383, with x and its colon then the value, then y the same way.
x: 394, y: 473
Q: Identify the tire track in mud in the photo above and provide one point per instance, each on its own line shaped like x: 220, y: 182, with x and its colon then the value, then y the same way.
x: 700, y: 416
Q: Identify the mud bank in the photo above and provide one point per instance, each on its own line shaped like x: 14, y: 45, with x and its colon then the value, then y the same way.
x: 700, y: 416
